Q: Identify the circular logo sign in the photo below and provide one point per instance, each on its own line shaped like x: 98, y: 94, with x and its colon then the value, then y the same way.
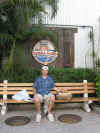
x: 44, y: 52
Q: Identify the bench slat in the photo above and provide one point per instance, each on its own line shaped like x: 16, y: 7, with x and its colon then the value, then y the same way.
x: 14, y: 92
x: 54, y: 92
x: 78, y: 100
x: 20, y: 84
x: 57, y: 84
x: 18, y: 88
x: 57, y: 101
x: 1, y: 84
x: 77, y: 92
x: 75, y: 88
x: 63, y: 88
x: 74, y: 84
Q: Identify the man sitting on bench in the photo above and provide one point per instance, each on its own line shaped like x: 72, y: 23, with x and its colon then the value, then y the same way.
x: 42, y: 91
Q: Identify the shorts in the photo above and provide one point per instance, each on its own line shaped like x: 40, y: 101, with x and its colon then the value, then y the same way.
x: 45, y: 98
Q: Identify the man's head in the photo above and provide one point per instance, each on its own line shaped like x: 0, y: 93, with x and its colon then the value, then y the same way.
x: 44, y: 70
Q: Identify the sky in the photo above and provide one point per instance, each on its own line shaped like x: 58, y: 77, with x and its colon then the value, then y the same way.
x: 85, y: 11
x: 81, y: 12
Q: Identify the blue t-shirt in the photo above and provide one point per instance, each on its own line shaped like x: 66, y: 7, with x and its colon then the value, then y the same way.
x: 43, y: 86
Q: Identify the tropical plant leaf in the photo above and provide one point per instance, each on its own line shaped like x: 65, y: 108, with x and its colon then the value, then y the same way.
x: 15, y: 24
x: 10, y: 58
x: 5, y: 38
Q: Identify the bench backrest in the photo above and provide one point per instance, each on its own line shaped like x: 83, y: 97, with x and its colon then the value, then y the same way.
x: 74, y: 88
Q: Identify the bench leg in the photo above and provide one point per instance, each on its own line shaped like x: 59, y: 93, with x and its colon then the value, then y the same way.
x: 86, y: 107
x: 4, y: 109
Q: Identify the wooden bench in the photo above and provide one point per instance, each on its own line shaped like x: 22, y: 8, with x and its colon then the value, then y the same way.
x: 81, y: 92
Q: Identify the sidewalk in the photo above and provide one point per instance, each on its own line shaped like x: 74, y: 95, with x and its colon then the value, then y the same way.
x: 90, y: 122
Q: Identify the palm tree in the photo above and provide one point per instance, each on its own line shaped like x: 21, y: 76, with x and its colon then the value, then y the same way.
x: 15, y: 22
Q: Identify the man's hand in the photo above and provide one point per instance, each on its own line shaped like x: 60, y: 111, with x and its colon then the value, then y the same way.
x: 57, y: 89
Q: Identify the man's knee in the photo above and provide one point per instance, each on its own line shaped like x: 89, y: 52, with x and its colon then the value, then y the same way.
x: 52, y: 98
x: 37, y: 99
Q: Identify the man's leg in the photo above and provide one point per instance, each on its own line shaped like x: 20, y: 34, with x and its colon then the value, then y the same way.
x: 49, y: 100
x: 37, y: 100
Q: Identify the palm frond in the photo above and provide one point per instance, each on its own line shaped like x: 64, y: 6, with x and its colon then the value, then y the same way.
x: 23, y: 3
x: 10, y: 58
x: 39, y: 4
x: 53, y: 4
x: 5, y: 38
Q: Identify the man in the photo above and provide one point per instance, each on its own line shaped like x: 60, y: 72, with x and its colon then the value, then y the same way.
x: 42, y: 91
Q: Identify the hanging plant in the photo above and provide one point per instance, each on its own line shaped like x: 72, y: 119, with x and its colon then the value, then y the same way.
x: 91, y: 35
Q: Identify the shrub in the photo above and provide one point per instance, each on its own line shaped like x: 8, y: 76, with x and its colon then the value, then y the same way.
x: 97, y: 80
x: 59, y: 74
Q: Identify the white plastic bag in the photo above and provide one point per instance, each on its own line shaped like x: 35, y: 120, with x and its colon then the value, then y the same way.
x: 21, y: 95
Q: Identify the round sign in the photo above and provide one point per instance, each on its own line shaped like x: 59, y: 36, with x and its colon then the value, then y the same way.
x: 44, y: 52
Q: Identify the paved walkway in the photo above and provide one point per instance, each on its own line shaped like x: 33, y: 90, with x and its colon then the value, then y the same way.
x: 90, y: 122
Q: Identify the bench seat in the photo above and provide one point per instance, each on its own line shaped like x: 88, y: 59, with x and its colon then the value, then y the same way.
x: 57, y: 101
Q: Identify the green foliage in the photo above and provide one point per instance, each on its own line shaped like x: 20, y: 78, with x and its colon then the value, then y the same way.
x: 98, y: 62
x: 91, y: 35
x: 16, y: 26
x: 58, y: 74
x: 41, y: 32
x: 97, y: 80
x: 72, y: 75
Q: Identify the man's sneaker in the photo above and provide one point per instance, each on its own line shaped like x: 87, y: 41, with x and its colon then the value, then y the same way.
x: 38, y: 117
x: 51, y: 117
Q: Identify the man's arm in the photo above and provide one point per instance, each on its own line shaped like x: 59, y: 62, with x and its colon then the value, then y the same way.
x: 56, y: 89
x: 34, y: 86
x: 34, y: 91
x: 53, y: 86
